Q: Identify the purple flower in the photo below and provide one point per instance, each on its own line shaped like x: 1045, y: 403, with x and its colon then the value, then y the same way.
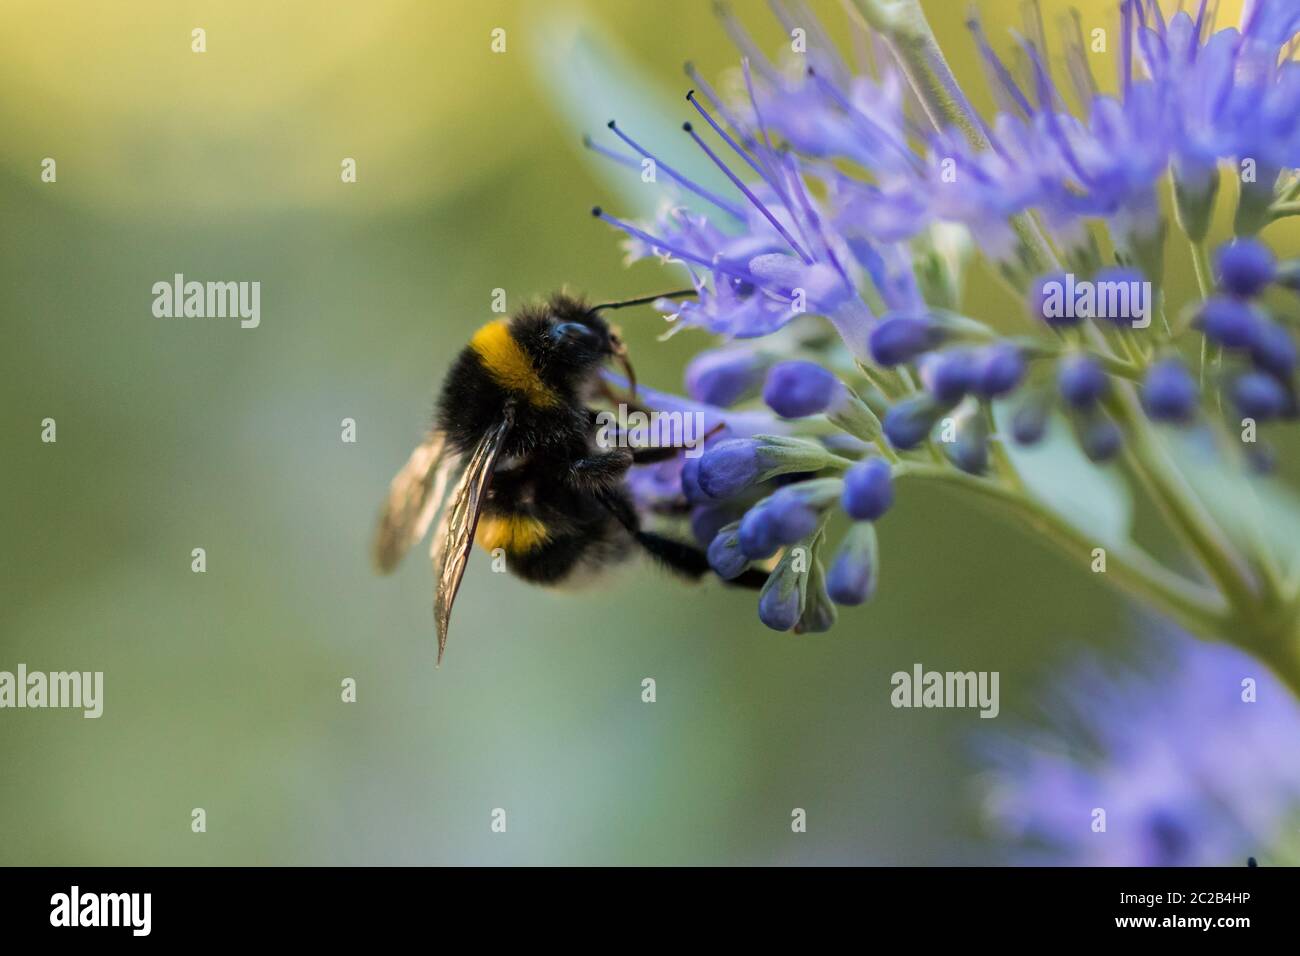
x: 843, y: 238
x: 1183, y: 762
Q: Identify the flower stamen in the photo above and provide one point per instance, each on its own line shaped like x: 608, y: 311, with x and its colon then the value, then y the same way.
x: 740, y: 184
x: 728, y: 207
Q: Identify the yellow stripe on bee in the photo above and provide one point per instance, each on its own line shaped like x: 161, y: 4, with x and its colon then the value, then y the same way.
x: 508, y: 363
x: 515, y: 534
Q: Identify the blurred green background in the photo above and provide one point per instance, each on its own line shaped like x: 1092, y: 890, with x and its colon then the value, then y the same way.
x: 223, y: 689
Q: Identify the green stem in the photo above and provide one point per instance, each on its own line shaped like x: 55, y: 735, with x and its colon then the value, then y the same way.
x: 1186, y: 514
x: 1201, y: 266
x: 902, y: 23
x: 1198, y: 609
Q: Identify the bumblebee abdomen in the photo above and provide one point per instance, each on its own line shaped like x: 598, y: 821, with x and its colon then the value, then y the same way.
x: 515, y: 534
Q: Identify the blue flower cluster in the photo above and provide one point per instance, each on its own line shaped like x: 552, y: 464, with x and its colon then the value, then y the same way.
x: 848, y: 211
x: 1172, y: 763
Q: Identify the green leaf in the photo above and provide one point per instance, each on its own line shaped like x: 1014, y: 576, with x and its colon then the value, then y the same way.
x: 1094, y: 499
x: 1247, y: 508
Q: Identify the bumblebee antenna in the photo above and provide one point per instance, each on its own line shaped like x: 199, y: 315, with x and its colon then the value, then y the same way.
x: 643, y: 300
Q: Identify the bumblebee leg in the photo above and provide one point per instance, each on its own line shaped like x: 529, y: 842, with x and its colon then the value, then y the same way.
x: 606, y: 391
x: 601, y: 470
x: 690, y: 562
x: 681, y: 558
x: 752, y: 579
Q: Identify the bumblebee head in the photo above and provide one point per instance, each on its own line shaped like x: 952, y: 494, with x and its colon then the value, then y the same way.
x: 576, y: 335
x: 574, y: 340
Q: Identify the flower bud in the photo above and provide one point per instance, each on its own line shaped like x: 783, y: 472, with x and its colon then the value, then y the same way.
x: 710, y: 518
x: 855, y: 416
x: 999, y: 369
x: 790, y: 513
x: 1169, y: 393
x: 725, y: 376
x: 949, y: 375
x: 852, y: 577
x: 731, y: 466
x: 1029, y: 423
x: 909, y: 422
x: 1244, y: 267
x: 819, y: 613
x: 868, y: 490
x: 1196, y: 185
x: 1259, y: 396
x: 901, y: 338
x: 756, y: 536
x: 725, y: 556
x: 1099, y: 438
x: 791, y: 518
x: 1273, y: 350
x: 1081, y: 380
x: 797, y: 389
x: 781, y: 602
x: 1231, y: 323
x: 1047, y: 300
x: 969, y: 450
x: 691, y: 489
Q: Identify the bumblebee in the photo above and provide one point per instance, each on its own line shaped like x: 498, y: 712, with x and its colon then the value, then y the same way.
x: 515, y: 433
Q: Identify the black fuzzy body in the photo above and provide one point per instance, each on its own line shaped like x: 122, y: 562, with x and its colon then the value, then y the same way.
x: 535, y: 477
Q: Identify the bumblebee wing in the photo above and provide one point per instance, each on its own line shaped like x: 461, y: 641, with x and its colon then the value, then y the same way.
x: 454, y: 536
x: 413, y: 499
